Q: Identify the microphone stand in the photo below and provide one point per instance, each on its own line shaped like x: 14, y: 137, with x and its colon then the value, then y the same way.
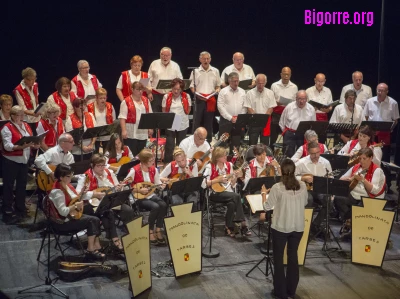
x: 193, y: 68
x: 82, y: 128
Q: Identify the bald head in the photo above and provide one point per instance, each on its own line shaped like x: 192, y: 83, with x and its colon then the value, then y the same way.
x: 382, y: 91
x: 200, y: 136
x: 201, y: 131
x: 319, y: 81
x: 286, y: 73
x: 238, y: 59
x: 357, y: 77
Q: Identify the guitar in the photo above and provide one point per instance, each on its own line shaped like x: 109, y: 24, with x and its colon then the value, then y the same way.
x: 204, y: 157
x: 44, y: 181
x: 356, y: 157
x: 180, y: 176
x: 77, y: 214
x: 77, y: 271
x: 220, y: 187
x: 337, y: 147
x: 152, y: 188
x: 124, y: 160
x: 107, y: 190
x: 354, y: 182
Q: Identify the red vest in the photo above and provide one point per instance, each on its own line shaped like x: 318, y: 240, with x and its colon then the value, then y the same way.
x: 139, y: 174
x: 305, y: 151
x: 211, y: 102
x: 125, y: 153
x: 16, y: 135
x: 53, y: 133
x: 368, y: 177
x: 131, y: 117
x: 126, y: 83
x: 53, y: 212
x: 214, y: 170
x: 253, y: 169
x: 109, y: 110
x: 80, y: 91
x: 185, y: 102
x: 93, y: 180
x: 353, y: 144
x: 174, y: 169
x: 60, y: 102
x: 76, y: 121
x: 26, y: 97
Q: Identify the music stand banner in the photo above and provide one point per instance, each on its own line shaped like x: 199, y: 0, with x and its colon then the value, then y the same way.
x: 302, y: 250
x: 184, y: 239
x: 137, y: 252
x: 371, y: 227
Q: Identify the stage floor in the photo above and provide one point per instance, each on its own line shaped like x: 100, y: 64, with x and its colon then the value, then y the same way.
x: 223, y: 277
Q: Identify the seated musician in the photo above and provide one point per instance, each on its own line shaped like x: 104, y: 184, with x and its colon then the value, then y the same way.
x: 259, y: 167
x: 216, y: 171
x: 6, y: 102
x: 52, y: 123
x: 180, y: 168
x: 302, y: 152
x: 100, y: 177
x: 146, y: 172
x: 61, y: 214
x: 104, y: 114
x: 371, y: 183
x: 308, y: 167
x: 115, y: 150
x: 365, y: 139
x: 74, y: 121
x: 195, y: 143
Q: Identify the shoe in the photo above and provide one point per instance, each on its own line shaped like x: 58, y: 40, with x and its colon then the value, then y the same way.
x: 160, y: 241
x: 117, y: 245
x: 245, y: 231
x: 154, y: 242
x: 229, y: 232
x: 10, y: 218
x: 95, y: 255
x: 346, y: 227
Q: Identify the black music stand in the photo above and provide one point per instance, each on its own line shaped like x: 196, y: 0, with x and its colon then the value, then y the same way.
x: 329, y: 187
x: 252, y: 120
x: 35, y: 139
x: 319, y: 127
x: 337, y: 161
x: 77, y: 135
x: 382, y: 126
x: 341, y: 128
x: 186, y: 186
x: 80, y: 167
x: 125, y: 168
x: 101, y: 131
x: 113, y: 200
x: 156, y: 121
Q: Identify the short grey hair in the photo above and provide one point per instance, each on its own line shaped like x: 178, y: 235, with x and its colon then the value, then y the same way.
x: 166, y: 48
x: 357, y: 72
x: 204, y: 53
x: 233, y: 75
x: 80, y: 62
x: 64, y: 137
x: 309, y: 134
x: 262, y: 76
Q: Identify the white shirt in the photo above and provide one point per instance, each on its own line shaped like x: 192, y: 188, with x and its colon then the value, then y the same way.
x: 293, y: 115
x: 224, y: 171
x: 260, y: 102
x: 388, y: 110
x: 286, y: 91
x: 323, y: 97
x: 101, y: 120
x: 88, y: 88
x: 177, y: 108
x: 231, y: 102
x: 158, y: 71
x: 58, y: 198
x: 132, y: 78
x: 146, y: 178
x: 2, y: 117
x: 101, y: 182
x: 342, y: 114
x: 8, y: 145
x: 299, y: 153
x: 190, y: 148
x: 288, y: 207
x: 132, y: 129
x: 21, y: 103
x: 244, y: 74
x: 206, y: 80
x: 167, y: 170
x: 67, y: 101
x: 306, y: 166
x: 54, y: 156
x: 378, y: 181
x: 76, y: 150
x: 363, y: 94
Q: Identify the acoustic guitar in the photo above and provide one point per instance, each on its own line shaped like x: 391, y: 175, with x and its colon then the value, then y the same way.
x: 152, y: 188
x: 354, y: 182
x: 44, y: 181
x: 355, y: 159
x: 221, y: 187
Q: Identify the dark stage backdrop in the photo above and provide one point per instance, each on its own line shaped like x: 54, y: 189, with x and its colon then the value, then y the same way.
x: 52, y: 36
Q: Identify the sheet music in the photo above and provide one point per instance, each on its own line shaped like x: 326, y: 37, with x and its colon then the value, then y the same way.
x: 39, y: 108
x: 176, y: 125
x: 145, y: 81
x: 256, y: 203
x: 284, y: 101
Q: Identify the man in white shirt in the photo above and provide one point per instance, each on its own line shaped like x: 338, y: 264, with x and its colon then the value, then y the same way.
x: 259, y: 100
x: 282, y: 88
x: 308, y: 167
x: 244, y: 71
x: 162, y: 69
x: 320, y: 94
x: 291, y: 117
x: 363, y: 91
x: 207, y: 81
x: 382, y: 108
x: 230, y: 105
x: 348, y: 113
x: 195, y: 143
x: 84, y: 84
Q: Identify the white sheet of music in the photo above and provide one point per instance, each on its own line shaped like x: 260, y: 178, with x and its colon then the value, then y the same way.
x: 176, y: 125
x: 145, y: 81
x: 255, y: 201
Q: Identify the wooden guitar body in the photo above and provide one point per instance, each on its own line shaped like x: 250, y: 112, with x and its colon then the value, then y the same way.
x: 45, y: 182
x: 152, y: 188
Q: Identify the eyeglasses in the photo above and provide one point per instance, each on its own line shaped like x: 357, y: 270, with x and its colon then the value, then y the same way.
x: 140, y: 89
x: 200, y: 138
x: 100, y: 165
x: 69, y: 141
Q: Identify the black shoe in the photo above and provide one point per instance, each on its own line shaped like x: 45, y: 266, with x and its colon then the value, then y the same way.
x: 10, y: 218
x: 95, y: 255
x: 275, y: 296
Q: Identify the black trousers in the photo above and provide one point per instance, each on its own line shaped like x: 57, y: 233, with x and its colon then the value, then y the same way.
x: 254, y: 133
x: 157, y: 208
x: 226, y: 126
x: 173, y: 138
x: 275, y: 129
x: 90, y: 223
x: 344, y: 204
x: 321, y: 200
x: 291, y: 142
x: 233, y: 202
x: 107, y: 219
x: 204, y: 118
x: 285, y: 285
x: 156, y: 103
x: 14, y: 172
x: 135, y: 145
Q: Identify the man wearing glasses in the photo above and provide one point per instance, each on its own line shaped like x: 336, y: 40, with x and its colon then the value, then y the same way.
x: 195, y: 143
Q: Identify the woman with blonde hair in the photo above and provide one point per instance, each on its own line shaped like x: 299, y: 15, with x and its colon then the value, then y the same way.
x: 6, y: 102
x: 53, y: 124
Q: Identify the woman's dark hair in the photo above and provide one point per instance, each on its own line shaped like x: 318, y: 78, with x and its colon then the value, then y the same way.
x: 259, y: 149
x: 111, y: 145
x: 368, y: 152
x: 62, y: 170
x: 178, y: 81
x: 366, y: 130
x: 60, y: 82
x: 288, y: 177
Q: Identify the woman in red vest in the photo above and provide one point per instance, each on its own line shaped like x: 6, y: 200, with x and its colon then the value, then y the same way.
x: 74, y: 121
x: 63, y: 98
x: 146, y: 172
x: 84, y: 84
x: 116, y: 150
x: 234, y: 214
x: 57, y: 209
x: 15, y: 162
x: 6, y: 102
x: 129, y: 115
x: 52, y: 123
x: 126, y: 79
x: 178, y: 102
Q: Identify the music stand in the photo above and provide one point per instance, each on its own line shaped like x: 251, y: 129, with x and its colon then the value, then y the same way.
x: 100, y: 131
x: 382, y: 126
x: 185, y: 186
x: 113, y: 200
x: 80, y: 167
x: 319, y: 127
x: 77, y: 135
x: 340, y: 128
x: 329, y: 187
x: 166, y: 84
x: 156, y: 121
x: 337, y: 161
x: 125, y: 168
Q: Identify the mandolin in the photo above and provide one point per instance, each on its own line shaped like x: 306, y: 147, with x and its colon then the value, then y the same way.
x: 221, y: 187
x: 355, y: 159
x: 124, y: 160
x: 44, y: 181
x: 354, y: 182
x: 108, y: 190
x: 152, y: 188
x: 77, y: 214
